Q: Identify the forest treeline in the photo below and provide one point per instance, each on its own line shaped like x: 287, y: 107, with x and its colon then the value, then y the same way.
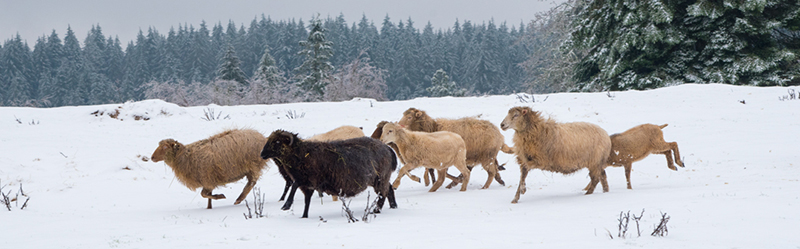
x: 482, y: 58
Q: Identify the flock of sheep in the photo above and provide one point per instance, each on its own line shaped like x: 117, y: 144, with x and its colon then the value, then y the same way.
x: 344, y: 162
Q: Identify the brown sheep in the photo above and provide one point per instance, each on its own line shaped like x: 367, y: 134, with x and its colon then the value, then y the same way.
x: 341, y: 133
x: 428, y: 173
x: 220, y: 159
x: 565, y: 148
x: 482, y: 138
x: 637, y: 143
x: 437, y: 150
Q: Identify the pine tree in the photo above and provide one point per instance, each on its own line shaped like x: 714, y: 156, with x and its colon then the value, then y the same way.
x: 267, y: 70
x: 229, y: 68
x: 442, y: 86
x: 16, y: 68
x: 316, y: 71
x: 71, y: 76
x: 734, y: 41
x: 652, y: 43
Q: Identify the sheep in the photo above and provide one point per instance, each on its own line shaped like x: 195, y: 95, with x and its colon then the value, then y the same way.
x: 341, y: 133
x: 565, y: 148
x: 637, y: 143
x: 342, y: 168
x: 437, y: 150
x: 220, y: 159
x: 482, y: 138
x: 428, y: 173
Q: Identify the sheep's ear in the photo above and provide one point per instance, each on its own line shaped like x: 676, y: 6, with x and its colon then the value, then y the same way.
x: 524, y: 111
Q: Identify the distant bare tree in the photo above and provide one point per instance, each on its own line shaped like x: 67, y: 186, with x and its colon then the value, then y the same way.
x: 549, y: 67
x: 358, y: 78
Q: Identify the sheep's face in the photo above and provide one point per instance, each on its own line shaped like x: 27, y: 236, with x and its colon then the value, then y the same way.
x: 410, y: 116
x: 514, y: 114
x: 164, y: 146
x: 277, y: 142
x: 390, y: 131
x: 378, y: 130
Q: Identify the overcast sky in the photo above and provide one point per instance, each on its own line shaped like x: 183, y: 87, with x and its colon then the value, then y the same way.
x: 123, y: 18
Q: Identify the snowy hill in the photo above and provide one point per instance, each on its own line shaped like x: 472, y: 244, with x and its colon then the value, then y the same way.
x: 90, y: 188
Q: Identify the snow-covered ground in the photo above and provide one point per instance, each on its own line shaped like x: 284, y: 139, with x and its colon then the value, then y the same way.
x: 89, y: 187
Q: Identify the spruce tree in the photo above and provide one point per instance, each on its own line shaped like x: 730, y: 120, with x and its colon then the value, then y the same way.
x: 229, y: 68
x: 314, y: 74
x: 653, y: 43
x: 267, y: 70
x: 442, y: 86
x: 16, y: 68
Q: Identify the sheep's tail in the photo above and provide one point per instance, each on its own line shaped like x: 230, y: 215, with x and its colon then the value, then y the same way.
x: 662, y: 126
x: 506, y: 149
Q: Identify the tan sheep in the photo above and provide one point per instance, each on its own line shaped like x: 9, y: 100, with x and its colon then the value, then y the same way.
x: 637, y: 143
x: 341, y: 133
x: 437, y: 150
x: 428, y: 172
x: 482, y: 138
x: 565, y: 148
x: 220, y: 159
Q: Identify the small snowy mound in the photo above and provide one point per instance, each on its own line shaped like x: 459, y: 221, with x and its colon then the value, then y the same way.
x: 140, y: 110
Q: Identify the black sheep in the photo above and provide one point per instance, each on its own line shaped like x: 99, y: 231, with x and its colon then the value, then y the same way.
x: 341, y: 168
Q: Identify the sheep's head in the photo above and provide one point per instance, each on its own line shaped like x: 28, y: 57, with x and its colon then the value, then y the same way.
x: 514, y: 116
x: 417, y: 120
x: 165, y: 146
x: 277, y: 143
x: 410, y: 116
x: 378, y: 130
x: 390, y: 131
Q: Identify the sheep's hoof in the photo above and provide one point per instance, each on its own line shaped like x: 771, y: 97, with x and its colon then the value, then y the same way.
x: 514, y: 201
x: 672, y: 167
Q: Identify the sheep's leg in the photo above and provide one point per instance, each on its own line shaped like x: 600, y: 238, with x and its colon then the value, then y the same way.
x: 465, y: 172
x: 427, y: 176
x: 497, y: 175
x: 392, y: 200
x: 413, y: 177
x: 308, y: 194
x: 439, y: 181
x: 288, y: 204
x: 521, y: 189
x: 429, y: 173
x: 597, y: 176
x: 286, y: 189
x: 674, y: 147
x: 491, y: 170
x: 403, y: 171
x: 604, y: 180
x: 251, y: 181
x: 206, y: 193
x: 628, y: 167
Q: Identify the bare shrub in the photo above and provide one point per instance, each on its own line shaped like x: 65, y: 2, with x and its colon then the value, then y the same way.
x: 661, y: 229
x: 258, y: 205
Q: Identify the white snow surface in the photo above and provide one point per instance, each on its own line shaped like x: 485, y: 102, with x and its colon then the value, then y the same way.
x: 740, y: 187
